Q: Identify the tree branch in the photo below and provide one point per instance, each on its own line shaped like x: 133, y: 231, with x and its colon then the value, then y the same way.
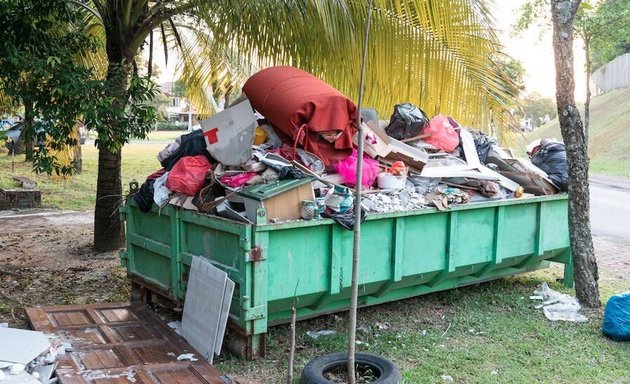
x: 137, y: 10
x: 156, y: 16
x: 88, y: 8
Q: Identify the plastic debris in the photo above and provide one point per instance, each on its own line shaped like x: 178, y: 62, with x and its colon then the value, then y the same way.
x: 317, y: 334
x: 559, y: 306
x: 616, y: 324
x: 187, y: 356
x: 383, y: 326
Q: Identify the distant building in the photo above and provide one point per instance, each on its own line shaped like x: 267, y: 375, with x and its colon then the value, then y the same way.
x: 526, y: 124
x: 179, y: 109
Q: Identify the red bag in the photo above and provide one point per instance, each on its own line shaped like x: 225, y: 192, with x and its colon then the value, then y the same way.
x: 188, y: 175
x: 443, y: 135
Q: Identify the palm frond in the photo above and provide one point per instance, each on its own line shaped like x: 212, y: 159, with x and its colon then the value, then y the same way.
x: 436, y: 54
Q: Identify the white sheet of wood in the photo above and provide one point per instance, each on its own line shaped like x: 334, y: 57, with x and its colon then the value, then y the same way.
x: 206, y: 307
x: 470, y: 149
x: 21, y: 346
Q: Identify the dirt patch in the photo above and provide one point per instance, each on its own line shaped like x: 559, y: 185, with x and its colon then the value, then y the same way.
x: 47, y: 259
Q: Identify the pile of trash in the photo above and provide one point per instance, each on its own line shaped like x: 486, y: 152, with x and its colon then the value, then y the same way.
x: 29, y: 357
x: 286, y: 150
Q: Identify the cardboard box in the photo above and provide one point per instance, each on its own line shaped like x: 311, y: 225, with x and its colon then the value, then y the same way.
x: 282, y: 200
x: 379, y: 145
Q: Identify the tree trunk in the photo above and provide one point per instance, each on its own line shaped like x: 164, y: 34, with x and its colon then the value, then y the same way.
x: 108, y: 229
x: 108, y: 235
x: 77, y: 157
x: 585, y: 265
x: 28, y: 132
x: 587, y: 103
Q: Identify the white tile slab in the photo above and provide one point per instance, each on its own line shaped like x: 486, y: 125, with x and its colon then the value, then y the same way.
x: 21, y: 346
x: 206, y: 307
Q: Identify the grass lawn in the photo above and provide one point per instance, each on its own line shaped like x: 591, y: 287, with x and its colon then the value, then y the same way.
x: 78, y: 192
x: 487, y: 333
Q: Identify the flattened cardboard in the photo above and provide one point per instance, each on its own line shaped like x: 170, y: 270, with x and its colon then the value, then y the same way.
x: 385, y: 146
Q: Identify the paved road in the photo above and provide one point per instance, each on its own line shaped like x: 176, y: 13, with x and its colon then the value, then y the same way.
x: 610, y: 208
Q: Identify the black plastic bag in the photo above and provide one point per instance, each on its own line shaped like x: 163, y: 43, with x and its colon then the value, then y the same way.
x: 290, y: 173
x: 144, y: 196
x: 483, y: 143
x: 346, y: 220
x: 192, y: 144
x: 552, y: 158
x: 406, y: 121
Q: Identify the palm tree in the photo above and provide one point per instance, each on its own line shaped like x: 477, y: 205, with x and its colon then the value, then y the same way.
x: 436, y: 54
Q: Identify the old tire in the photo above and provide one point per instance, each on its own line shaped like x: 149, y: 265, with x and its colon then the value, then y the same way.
x: 313, y: 372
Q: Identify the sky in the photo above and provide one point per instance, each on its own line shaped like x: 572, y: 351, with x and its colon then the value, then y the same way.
x: 534, y: 51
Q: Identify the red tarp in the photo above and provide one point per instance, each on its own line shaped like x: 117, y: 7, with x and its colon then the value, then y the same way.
x: 302, y: 106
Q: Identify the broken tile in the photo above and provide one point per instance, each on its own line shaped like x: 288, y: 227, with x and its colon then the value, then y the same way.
x: 21, y: 346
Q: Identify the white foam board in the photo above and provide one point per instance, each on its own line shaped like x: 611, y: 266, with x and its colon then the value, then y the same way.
x: 21, y: 346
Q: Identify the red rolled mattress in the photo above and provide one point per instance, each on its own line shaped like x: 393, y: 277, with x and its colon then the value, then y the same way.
x: 301, y: 107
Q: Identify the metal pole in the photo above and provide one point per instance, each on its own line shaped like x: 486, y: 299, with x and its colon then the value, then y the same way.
x: 352, y: 327
x: 292, y: 346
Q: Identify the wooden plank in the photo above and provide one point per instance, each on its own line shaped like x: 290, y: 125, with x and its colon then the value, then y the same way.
x: 120, y: 343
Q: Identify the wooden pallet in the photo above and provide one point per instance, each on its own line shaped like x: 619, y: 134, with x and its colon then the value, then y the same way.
x: 120, y: 343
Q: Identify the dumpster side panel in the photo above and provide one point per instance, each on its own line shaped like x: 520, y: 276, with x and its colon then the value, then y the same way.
x: 520, y: 223
x: 425, y: 237
x: 299, y: 261
x: 403, y: 254
x: 554, y: 225
x: 472, y: 242
x: 149, y: 248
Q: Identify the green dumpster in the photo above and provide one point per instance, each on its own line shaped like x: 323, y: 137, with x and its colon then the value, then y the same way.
x: 403, y: 254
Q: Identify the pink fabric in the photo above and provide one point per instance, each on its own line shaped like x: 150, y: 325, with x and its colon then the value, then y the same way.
x: 237, y: 180
x: 347, y: 168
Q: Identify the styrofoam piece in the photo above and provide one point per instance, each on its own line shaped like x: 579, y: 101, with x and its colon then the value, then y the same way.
x: 22, y: 346
x: 206, y: 307
x: 45, y: 372
x: 21, y: 378
x: 229, y: 134
x: 388, y: 181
